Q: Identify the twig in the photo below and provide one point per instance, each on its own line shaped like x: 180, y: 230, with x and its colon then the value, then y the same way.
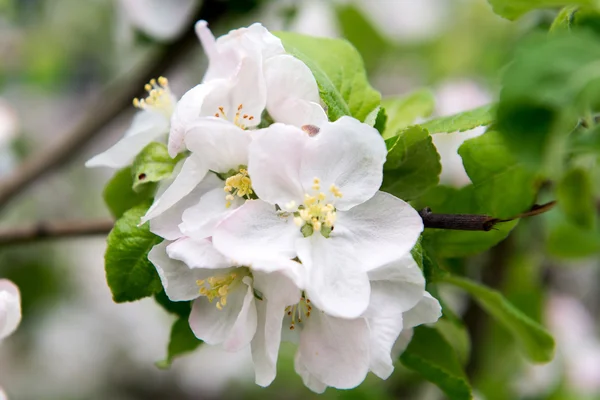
x: 115, y: 99
x: 54, y: 230
x: 474, y: 222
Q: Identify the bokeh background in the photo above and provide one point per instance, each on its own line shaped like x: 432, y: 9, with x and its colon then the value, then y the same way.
x: 56, y: 59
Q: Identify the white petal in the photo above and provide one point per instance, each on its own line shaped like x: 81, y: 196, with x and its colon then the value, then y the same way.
x: 380, y: 231
x: 192, y: 173
x: 200, y: 221
x: 222, y: 63
x: 278, y: 292
x: 274, y: 164
x: 166, y: 225
x: 146, y: 127
x: 197, y: 254
x: 401, y: 343
x: 334, y: 350
x: 10, y: 308
x: 395, y: 288
x: 348, y: 154
x: 178, y: 280
x: 188, y: 110
x: 307, y: 378
x: 427, y: 311
x: 255, y: 232
x: 292, y: 92
x: 221, y: 145
x: 233, y: 326
x: 336, y: 284
x: 250, y: 38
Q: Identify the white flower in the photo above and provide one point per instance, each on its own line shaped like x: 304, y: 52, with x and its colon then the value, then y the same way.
x: 10, y: 308
x: 149, y: 124
x: 10, y: 312
x: 329, y: 213
x: 226, y: 297
x: 339, y: 352
x: 213, y: 119
x: 163, y: 20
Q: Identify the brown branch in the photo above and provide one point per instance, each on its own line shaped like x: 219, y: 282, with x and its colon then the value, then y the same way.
x: 54, y: 230
x: 474, y: 222
x: 115, y: 99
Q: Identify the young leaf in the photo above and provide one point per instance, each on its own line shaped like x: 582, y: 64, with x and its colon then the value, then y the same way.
x: 119, y: 195
x: 461, y: 122
x: 403, y: 111
x: 129, y: 273
x: 153, y: 164
x: 536, y: 343
x: 339, y: 71
x: 180, y: 308
x: 503, y: 187
x: 431, y: 356
x: 576, y: 199
x: 567, y: 240
x: 513, y: 9
x: 182, y: 341
x: 413, y: 164
x: 564, y: 20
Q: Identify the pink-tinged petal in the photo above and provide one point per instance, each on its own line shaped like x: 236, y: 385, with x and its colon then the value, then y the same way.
x: 278, y: 292
x: 166, y: 225
x: 308, y: 379
x: 147, y: 127
x: 348, y: 154
x: 292, y: 92
x: 335, y: 282
x: 251, y: 39
x: 274, y: 164
x: 178, y: 280
x: 233, y: 326
x: 198, y: 254
x: 221, y: 145
x: 10, y: 308
x: 188, y: 110
x: 335, y: 350
x: 256, y: 235
x: 379, y: 231
x: 192, y: 173
x: 427, y: 311
x: 200, y: 221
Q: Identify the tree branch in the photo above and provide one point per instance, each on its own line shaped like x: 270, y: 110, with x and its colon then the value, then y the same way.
x: 115, y: 99
x: 54, y: 230
x: 474, y: 222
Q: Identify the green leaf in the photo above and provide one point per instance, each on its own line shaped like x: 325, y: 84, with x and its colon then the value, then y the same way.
x: 461, y: 122
x: 405, y: 110
x: 182, y: 341
x: 503, y: 187
x: 569, y: 241
x: 119, y: 195
x: 576, y: 199
x: 413, y: 164
x: 380, y: 120
x: 180, y: 308
x: 536, y: 343
x: 513, y: 9
x: 431, y: 356
x: 369, y: 42
x: 447, y: 243
x: 564, y: 20
x: 129, y: 273
x: 339, y: 71
x: 152, y: 164
x: 456, y: 334
x: 550, y: 84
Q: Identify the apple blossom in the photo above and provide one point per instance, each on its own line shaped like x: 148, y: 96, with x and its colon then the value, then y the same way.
x: 149, y: 124
x: 10, y: 312
x: 319, y: 202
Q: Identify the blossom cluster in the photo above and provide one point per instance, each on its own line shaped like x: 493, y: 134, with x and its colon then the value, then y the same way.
x: 273, y: 222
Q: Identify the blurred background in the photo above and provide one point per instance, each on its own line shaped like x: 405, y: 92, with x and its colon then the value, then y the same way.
x: 59, y: 57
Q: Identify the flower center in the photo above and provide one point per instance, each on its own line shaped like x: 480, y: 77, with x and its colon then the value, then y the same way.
x: 159, y: 97
x: 316, y: 214
x: 221, y: 285
x: 239, y: 185
x: 299, y: 311
x: 239, y: 119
